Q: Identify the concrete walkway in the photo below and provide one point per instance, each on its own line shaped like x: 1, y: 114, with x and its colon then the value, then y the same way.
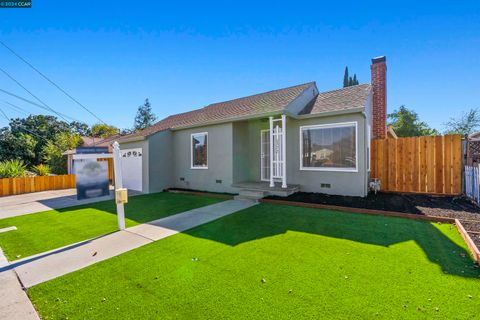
x: 49, y: 265
x: 28, y: 203
x: 14, y: 302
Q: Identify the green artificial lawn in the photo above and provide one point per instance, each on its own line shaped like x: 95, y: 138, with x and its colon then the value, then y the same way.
x: 279, y: 262
x: 53, y: 229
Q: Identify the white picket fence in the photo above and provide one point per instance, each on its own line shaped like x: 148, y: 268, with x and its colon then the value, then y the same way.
x: 472, y: 182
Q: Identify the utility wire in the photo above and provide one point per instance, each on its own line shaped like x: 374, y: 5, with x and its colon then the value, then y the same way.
x: 17, y: 108
x: 51, y: 81
x: 34, y: 103
x: 37, y: 98
x: 23, y: 128
x: 26, y: 112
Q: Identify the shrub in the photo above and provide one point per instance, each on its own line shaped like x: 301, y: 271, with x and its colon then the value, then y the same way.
x: 41, y: 170
x: 12, y: 169
x: 53, y: 151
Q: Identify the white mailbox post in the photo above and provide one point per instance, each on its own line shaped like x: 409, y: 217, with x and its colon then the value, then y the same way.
x: 117, y: 167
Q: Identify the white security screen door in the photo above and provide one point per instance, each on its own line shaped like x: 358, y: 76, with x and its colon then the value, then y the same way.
x: 132, y: 168
x: 277, y: 154
x: 265, y: 155
x: 277, y: 160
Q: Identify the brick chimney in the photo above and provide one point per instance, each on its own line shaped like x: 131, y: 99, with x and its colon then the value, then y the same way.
x: 379, y: 86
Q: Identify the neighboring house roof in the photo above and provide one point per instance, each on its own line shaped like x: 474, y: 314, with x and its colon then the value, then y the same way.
x: 338, y: 100
x: 391, y: 133
x: 474, y: 136
x: 99, y: 142
x: 86, y: 140
x: 262, y: 103
x: 95, y: 142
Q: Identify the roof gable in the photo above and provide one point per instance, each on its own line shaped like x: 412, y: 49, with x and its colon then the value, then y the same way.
x: 339, y: 100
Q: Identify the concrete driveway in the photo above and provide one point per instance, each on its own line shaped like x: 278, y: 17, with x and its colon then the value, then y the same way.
x: 27, y: 203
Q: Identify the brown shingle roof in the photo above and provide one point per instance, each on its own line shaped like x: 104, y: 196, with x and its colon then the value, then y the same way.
x: 271, y: 101
x: 338, y: 100
x: 267, y: 102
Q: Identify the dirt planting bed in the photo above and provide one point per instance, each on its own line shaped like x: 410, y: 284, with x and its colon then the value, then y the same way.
x: 439, y: 206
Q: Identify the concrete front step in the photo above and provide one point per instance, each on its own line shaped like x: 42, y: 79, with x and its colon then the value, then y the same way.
x: 248, y: 194
x: 264, y: 187
x: 258, y: 194
x: 239, y: 197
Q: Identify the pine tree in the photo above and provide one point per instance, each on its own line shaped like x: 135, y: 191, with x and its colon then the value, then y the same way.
x: 350, y: 81
x: 145, y: 117
x: 355, y: 81
x: 345, y: 78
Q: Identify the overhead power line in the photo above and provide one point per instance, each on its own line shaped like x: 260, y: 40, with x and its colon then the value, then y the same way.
x: 37, y: 98
x: 16, y: 108
x: 34, y: 103
x: 51, y: 81
x: 24, y: 129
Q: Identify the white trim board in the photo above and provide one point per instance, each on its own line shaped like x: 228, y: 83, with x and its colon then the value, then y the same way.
x: 262, y: 168
x: 91, y: 156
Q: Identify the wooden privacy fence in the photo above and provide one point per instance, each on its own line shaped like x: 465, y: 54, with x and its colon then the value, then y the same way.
x: 12, y: 186
x: 430, y: 164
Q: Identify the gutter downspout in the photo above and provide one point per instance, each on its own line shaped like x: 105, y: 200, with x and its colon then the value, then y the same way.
x: 367, y: 154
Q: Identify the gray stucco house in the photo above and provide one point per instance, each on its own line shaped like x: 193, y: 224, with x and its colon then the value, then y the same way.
x: 276, y: 142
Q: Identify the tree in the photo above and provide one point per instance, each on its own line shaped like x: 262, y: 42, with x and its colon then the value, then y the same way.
x: 349, y: 81
x: 80, y: 128
x: 25, y: 137
x: 125, y: 131
x: 41, y: 128
x: 406, y: 123
x: 345, y: 78
x: 52, y: 152
x: 467, y: 124
x: 101, y: 130
x: 145, y: 117
x: 20, y: 146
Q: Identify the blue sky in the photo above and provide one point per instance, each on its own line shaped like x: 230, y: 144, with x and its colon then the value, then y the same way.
x: 112, y: 55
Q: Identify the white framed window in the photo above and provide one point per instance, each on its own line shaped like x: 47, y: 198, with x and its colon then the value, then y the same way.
x: 199, y: 150
x: 329, y: 147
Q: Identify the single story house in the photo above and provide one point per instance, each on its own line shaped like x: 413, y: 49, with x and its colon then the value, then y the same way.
x: 276, y: 142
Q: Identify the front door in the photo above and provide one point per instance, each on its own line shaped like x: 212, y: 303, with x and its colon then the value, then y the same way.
x: 265, y: 155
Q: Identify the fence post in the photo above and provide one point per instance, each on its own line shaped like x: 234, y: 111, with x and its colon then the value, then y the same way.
x: 477, y: 183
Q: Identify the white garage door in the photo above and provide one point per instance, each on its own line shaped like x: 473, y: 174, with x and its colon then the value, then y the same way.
x: 132, y: 168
